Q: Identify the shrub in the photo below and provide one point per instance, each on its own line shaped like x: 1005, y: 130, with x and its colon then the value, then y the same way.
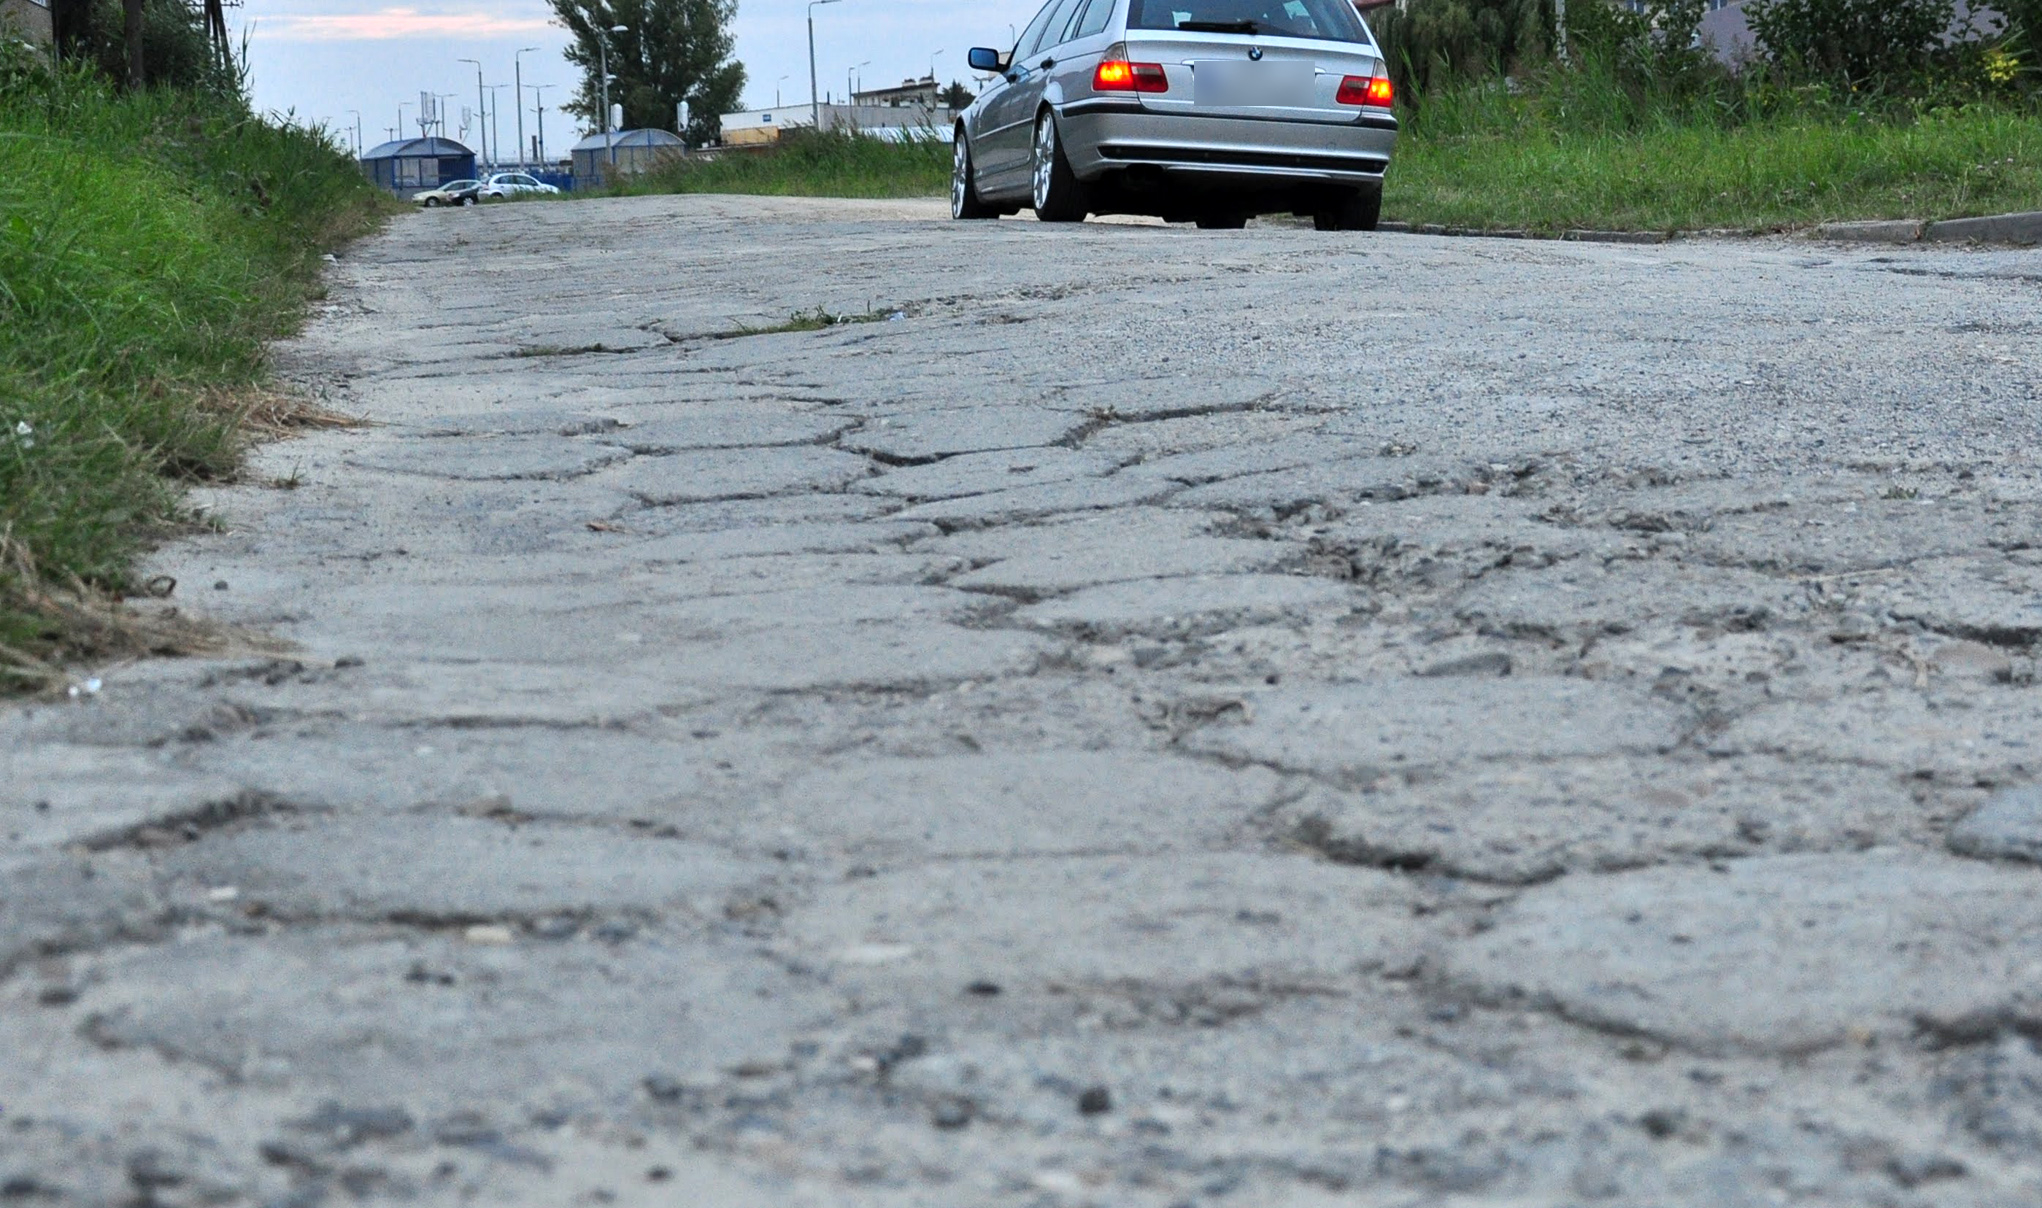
x: 1861, y: 45
x: 1432, y: 43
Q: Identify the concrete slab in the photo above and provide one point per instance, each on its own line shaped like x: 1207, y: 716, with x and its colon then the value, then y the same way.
x: 704, y: 827
x: 1788, y: 954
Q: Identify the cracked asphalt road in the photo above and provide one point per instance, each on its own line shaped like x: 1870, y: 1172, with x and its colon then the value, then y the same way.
x: 1175, y: 718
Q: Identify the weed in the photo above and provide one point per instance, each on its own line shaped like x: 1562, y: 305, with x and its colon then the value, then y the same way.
x: 818, y: 319
x: 150, y: 244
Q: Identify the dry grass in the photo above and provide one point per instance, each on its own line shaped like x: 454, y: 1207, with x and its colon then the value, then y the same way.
x: 271, y: 412
x: 85, y: 624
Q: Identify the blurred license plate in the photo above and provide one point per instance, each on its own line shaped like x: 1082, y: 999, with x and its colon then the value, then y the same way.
x: 1230, y: 83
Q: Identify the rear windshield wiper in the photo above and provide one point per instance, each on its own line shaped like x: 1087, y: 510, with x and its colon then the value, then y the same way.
x: 1222, y: 27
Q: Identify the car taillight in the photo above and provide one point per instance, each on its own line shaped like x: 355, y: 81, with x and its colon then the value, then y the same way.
x: 1116, y: 74
x: 1362, y: 90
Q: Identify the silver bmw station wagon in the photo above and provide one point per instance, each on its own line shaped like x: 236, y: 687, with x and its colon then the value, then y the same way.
x: 1206, y: 111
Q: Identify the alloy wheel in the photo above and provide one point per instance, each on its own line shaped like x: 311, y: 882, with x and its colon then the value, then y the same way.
x: 960, y: 176
x: 1045, y: 159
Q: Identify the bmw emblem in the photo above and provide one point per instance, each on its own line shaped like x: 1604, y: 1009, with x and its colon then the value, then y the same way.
x: 1255, y: 53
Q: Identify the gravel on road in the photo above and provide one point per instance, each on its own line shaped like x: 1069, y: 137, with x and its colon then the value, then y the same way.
x: 1151, y: 718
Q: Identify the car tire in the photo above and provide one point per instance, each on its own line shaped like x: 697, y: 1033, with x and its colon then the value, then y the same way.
x: 965, y: 203
x: 432, y: 203
x: 1059, y: 195
x: 1221, y: 220
x: 1360, y: 210
x: 468, y: 200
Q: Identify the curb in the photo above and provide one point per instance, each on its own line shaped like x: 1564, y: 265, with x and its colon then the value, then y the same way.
x: 1411, y: 228
x: 2020, y: 230
x: 2017, y: 230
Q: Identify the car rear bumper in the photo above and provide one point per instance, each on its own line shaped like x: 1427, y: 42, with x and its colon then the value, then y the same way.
x: 1101, y: 139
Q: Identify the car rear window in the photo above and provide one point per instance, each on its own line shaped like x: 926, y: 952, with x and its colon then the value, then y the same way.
x: 1331, y: 19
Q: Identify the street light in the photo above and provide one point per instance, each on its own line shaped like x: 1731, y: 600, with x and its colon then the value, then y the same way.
x: 603, y: 66
x: 776, y: 91
x: 480, y: 103
x: 933, y: 56
x: 518, y: 73
x: 814, y: 103
x: 850, y: 89
x: 358, y: 131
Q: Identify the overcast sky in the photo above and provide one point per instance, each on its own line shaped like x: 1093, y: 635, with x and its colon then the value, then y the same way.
x: 323, y: 58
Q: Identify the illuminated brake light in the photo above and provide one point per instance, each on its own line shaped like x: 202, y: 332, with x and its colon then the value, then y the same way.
x: 1362, y: 90
x: 1116, y: 74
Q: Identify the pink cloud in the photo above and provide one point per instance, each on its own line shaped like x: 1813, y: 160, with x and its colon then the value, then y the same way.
x: 391, y: 23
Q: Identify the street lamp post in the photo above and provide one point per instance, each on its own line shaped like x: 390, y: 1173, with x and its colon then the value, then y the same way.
x: 358, y: 131
x: 518, y: 72
x: 850, y: 89
x: 814, y: 101
x: 603, y: 68
x: 933, y: 56
x: 480, y: 102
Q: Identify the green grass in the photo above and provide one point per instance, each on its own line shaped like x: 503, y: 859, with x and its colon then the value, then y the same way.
x: 1574, y: 150
x: 1571, y: 155
x: 149, y: 245
x: 804, y: 164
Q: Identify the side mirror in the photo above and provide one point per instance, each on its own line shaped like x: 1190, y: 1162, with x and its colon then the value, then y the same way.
x: 985, y: 58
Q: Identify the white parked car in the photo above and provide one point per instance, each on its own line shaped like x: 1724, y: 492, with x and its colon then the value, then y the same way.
x: 514, y: 184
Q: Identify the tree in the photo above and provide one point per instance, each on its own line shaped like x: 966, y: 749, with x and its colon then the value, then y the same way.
x: 670, y: 51
x: 957, y: 96
x: 182, y: 49
x: 131, y: 37
x: 72, y: 24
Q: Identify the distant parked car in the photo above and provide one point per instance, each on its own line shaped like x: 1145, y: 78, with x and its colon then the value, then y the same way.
x: 453, y: 193
x: 1206, y: 111
x: 514, y: 184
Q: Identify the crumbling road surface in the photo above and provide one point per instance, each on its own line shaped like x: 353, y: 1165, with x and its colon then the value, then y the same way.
x: 1154, y: 718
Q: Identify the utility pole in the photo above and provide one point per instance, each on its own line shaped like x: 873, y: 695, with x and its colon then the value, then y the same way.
x: 358, y: 131
x: 216, y: 26
x: 539, y: 99
x: 603, y: 69
x: 496, y: 126
x: 479, y: 102
x: 518, y: 71
x: 814, y: 104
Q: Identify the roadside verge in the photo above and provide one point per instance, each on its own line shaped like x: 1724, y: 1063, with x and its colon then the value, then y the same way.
x: 2013, y: 230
